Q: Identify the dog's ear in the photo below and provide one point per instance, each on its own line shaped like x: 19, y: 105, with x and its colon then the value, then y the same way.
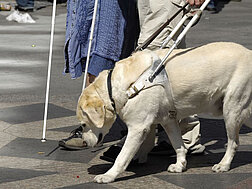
x: 97, y: 115
x: 95, y: 111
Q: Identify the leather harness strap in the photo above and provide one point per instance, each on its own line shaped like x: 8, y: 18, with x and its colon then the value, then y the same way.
x: 161, y: 78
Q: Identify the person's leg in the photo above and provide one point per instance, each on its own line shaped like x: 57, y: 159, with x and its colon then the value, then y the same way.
x: 155, y: 14
x: 30, y: 3
x: 143, y: 8
x: 22, y: 3
x: 152, y: 15
x: 25, y: 5
x: 190, y: 128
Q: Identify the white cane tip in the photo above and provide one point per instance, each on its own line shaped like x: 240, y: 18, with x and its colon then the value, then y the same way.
x: 43, y: 140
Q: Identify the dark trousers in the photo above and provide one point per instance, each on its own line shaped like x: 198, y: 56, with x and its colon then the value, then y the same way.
x: 25, y: 3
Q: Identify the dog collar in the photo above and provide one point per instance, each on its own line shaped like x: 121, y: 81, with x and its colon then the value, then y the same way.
x: 110, y: 89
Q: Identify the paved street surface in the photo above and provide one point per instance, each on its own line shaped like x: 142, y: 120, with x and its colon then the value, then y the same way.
x: 24, y: 52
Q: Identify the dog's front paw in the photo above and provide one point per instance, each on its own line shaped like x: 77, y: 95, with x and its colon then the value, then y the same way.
x: 103, y: 178
x: 176, y: 168
x: 220, y: 168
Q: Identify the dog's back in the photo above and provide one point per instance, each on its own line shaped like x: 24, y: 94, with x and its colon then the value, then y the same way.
x: 209, y: 77
x: 218, y: 74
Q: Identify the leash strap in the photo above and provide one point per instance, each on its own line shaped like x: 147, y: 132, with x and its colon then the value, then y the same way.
x: 52, y: 151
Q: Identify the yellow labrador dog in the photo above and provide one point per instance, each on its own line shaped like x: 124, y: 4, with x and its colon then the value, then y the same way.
x: 214, y: 79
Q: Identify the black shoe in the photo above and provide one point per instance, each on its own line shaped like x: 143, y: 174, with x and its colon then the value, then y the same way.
x: 163, y: 148
x: 75, y: 141
x: 24, y: 9
x: 111, y: 154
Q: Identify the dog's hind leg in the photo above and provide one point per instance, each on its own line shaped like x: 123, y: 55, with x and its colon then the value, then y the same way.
x: 174, y: 133
x: 232, y: 145
x: 236, y: 109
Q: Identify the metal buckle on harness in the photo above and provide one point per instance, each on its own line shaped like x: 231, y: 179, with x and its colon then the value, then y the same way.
x: 135, y: 88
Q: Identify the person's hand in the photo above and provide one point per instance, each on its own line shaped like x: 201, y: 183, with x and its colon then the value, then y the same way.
x: 195, y: 2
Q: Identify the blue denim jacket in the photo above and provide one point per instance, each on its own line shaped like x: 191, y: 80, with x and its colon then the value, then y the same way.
x: 108, y: 35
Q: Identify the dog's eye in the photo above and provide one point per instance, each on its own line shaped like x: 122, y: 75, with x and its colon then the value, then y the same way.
x: 83, y: 125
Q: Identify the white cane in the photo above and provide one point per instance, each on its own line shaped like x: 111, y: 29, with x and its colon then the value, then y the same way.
x: 49, y: 71
x: 145, y: 80
x: 180, y: 37
x: 90, y: 44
